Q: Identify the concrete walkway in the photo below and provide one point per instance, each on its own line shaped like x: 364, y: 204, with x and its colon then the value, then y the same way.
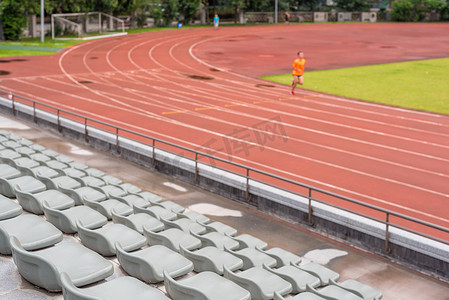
x: 395, y: 282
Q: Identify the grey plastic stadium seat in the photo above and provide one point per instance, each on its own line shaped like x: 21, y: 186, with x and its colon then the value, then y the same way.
x: 25, y: 183
x: 150, y: 197
x: 220, y: 227
x: 54, y: 164
x: 155, y: 211
x: 64, y: 159
x: 124, y: 287
x: 8, y: 153
x: 259, y: 282
x: 9, y: 208
x: 301, y: 296
x: 51, y: 153
x: 59, y: 182
x: 194, y: 216
x: 11, y: 144
x: 252, y: 258
x: 333, y: 292
x: 105, y: 207
x: 91, y: 181
x: 132, y: 200
x: 150, y: 263
x: 185, y: 225
x: 34, y: 202
x: 78, y: 165
x: 249, y: 241
x: 66, y: 219
x: 204, y: 286
x: 297, y: 277
x: 212, y: 259
x: 43, y: 267
x: 217, y: 240
x: 37, y: 147
x: 112, y: 191
x: 94, y: 172
x: 25, y: 150
x: 130, y: 188
x: 84, y: 193
x: 42, y: 170
x: 172, y: 238
x: 25, y: 162
x: 32, y: 231
x: 170, y: 205
x: 283, y: 257
x: 39, y: 157
x: 8, y: 172
x: 102, y: 240
x: 137, y: 221
x: 320, y: 271
x: 109, y: 179
x: 74, y: 173
x: 360, y: 289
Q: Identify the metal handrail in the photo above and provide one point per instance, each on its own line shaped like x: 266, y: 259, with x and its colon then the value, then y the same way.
x: 248, y: 178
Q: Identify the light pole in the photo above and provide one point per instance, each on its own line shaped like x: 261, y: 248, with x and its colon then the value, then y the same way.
x: 42, y: 21
x: 276, y: 12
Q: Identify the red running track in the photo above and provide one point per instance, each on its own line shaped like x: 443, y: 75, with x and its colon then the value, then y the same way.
x: 199, y: 88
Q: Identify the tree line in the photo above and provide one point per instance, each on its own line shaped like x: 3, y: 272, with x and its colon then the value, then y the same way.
x: 14, y: 14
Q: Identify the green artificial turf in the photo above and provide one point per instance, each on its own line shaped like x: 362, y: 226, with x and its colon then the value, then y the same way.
x: 421, y: 85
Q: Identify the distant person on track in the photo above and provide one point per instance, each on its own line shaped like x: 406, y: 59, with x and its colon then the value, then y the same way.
x: 286, y: 17
x: 216, y: 21
x: 298, y: 71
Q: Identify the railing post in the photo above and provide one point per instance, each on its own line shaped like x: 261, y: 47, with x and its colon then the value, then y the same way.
x: 117, y: 147
x: 247, y: 185
x: 86, y: 132
x: 59, y: 122
x: 197, y: 177
x: 387, y: 233
x: 154, y: 154
x: 34, y: 112
x: 11, y: 96
x: 311, y: 220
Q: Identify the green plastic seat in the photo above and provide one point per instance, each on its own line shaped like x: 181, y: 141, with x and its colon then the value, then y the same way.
x: 204, y: 286
x: 150, y: 263
x: 44, y: 267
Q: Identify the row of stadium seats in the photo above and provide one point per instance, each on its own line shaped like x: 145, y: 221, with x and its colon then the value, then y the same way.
x: 47, y: 197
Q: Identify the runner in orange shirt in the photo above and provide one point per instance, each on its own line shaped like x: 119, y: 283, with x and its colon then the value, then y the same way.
x: 298, y: 70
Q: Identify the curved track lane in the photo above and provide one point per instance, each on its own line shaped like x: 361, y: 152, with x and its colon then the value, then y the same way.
x: 185, y: 86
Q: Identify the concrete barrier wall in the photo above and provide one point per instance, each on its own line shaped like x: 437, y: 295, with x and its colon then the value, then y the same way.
x: 409, y: 249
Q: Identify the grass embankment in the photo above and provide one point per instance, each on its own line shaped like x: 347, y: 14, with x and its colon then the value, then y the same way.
x: 421, y: 85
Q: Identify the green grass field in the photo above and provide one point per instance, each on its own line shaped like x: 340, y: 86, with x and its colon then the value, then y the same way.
x: 421, y: 85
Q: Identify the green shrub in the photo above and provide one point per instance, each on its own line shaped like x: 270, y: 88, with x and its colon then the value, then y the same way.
x: 402, y: 10
x: 13, y: 19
